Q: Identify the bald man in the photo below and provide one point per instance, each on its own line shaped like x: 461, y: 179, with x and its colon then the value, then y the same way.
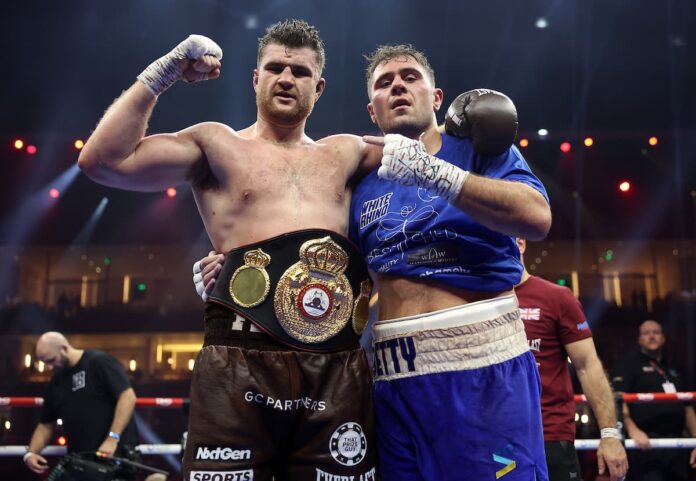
x: 648, y: 371
x: 90, y: 392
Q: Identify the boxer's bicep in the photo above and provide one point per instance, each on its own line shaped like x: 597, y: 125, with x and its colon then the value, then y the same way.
x: 158, y: 162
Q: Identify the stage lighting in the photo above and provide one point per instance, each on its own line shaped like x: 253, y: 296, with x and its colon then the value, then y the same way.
x: 589, y: 142
x: 625, y: 186
x: 54, y: 193
x: 653, y: 141
x: 61, y: 441
x: 31, y: 149
x: 542, y: 132
x: 79, y: 144
x: 18, y: 144
x: 565, y: 147
x: 171, y: 192
x: 524, y: 143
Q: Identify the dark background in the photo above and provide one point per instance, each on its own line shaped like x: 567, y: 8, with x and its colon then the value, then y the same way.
x: 618, y: 71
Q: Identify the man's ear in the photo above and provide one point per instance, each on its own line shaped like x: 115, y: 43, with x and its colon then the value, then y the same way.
x: 321, y: 85
x: 521, y: 244
x: 255, y: 78
x: 371, y: 111
x: 438, y: 96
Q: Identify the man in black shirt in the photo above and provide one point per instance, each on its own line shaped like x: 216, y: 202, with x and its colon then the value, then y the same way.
x: 647, y: 371
x: 90, y: 392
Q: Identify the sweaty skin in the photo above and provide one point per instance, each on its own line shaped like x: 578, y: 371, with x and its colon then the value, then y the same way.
x: 265, y: 180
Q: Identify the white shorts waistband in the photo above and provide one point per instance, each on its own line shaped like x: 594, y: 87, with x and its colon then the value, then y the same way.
x: 465, y: 337
x: 466, y: 314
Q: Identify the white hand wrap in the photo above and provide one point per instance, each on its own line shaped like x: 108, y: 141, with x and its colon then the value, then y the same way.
x: 163, y: 72
x: 610, y: 433
x: 405, y: 161
x: 198, y: 281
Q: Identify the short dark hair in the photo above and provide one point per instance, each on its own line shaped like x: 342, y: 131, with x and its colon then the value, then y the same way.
x: 384, y: 53
x: 296, y: 34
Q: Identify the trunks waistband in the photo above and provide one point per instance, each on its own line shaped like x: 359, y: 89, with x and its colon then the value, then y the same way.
x: 466, y: 337
x: 307, y: 289
x: 466, y: 314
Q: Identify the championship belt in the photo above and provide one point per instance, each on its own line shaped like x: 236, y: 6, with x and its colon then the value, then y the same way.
x: 308, y: 289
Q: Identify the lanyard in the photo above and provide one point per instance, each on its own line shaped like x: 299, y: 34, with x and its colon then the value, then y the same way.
x: 659, y: 369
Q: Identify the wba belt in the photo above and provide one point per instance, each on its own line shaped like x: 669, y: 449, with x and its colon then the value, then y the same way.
x: 308, y: 289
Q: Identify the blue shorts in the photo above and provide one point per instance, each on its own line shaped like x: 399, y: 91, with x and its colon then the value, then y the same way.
x: 457, y: 396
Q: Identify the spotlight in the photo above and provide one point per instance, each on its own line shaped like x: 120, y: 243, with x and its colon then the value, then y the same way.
x: 18, y: 144
x: 524, y: 143
x: 541, y: 23
x: 653, y: 141
x: 565, y: 147
x: 79, y: 144
x: 625, y: 186
x: 54, y: 193
x: 542, y: 132
x: 31, y: 149
x: 171, y: 192
x: 589, y: 142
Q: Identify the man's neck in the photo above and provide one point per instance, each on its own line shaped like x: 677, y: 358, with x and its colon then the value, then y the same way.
x: 525, y: 276
x: 432, y: 139
x: 74, y: 357
x: 657, y: 355
x: 276, y: 133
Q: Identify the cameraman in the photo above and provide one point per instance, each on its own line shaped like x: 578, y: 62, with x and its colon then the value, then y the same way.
x: 90, y: 392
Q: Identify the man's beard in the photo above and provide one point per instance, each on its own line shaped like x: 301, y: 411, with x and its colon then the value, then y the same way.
x: 64, y: 364
x: 408, y: 127
x: 303, y: 107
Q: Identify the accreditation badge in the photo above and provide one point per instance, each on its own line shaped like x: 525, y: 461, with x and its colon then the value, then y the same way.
x: 313, y: 300
x: 249, y: 285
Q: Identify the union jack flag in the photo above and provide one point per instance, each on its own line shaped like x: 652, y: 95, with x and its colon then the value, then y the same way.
x: 530, y: 313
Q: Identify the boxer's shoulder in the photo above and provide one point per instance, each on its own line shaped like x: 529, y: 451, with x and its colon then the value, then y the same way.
x: 353, y: 151
x: 342, y: 141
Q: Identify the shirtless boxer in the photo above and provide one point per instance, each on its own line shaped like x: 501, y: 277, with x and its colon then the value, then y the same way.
x: 262, y: 407
x: 456, y: 388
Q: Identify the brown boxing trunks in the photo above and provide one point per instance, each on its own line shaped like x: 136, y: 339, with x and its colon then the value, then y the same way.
x: 264, y: 410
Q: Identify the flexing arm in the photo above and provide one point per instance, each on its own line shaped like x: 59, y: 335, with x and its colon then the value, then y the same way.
x: 119, y: 155
x: 610, y: 454
x: 39, y: 440
x: 122, y: 414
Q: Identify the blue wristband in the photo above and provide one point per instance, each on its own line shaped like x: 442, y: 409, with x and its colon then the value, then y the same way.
x: 115, y: 436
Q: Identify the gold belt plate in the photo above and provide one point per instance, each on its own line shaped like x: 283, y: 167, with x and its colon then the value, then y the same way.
x: 313, y: 300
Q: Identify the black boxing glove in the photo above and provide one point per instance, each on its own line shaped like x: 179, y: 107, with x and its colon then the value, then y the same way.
x: 488, y: 117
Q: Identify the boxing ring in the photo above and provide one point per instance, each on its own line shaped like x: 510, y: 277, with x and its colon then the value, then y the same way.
x: 179, y: 403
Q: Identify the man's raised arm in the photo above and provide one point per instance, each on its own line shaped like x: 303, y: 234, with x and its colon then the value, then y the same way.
x: 119, y: 155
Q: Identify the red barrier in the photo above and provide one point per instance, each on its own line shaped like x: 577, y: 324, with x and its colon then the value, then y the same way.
x: 160, y: 402
x: 643, y: 397
x: 177, y: 402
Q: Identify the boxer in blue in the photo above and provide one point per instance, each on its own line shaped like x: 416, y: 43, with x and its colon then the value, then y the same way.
x: 456, y: 388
